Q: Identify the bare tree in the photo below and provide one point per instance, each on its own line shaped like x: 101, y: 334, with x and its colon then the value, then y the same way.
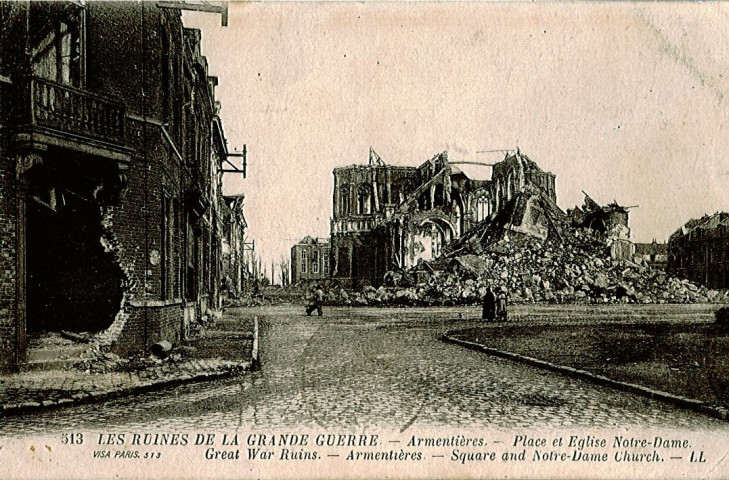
x: 285, y: 271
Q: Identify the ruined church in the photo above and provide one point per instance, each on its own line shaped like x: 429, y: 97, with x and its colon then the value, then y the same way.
x: 388, y: 217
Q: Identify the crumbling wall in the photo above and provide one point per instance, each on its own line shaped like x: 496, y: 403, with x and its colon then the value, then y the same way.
x: 111, y: 244
x: 698, y: 250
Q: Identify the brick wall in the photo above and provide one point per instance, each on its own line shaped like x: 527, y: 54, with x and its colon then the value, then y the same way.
x: 148, y: 325
x: 8, y: 273
x: 126, y: 60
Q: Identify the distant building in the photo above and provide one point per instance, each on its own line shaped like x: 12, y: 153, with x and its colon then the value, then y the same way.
x: 654, y: 253
x: 310, y: 260
x: 699, y: 251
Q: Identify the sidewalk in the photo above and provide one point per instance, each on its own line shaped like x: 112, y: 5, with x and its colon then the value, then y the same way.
x: 218, y: 353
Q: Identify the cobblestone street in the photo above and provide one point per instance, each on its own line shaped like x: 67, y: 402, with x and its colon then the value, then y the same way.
x: 358, y: 368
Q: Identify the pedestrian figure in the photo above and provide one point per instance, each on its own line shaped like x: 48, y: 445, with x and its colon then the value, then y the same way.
x: 502, y: 302
x: 317, y: 301
x: 489, y: 306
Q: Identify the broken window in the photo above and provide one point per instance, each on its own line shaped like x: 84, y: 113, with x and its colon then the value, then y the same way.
x: 73, y: 282
x: 58, y: 56
x: 424, y: 201
x: 483, y: 209
x: 438, y: 195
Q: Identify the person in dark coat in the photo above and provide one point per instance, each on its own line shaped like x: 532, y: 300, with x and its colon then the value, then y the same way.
x: 317, y: 302
x: 489, y: 305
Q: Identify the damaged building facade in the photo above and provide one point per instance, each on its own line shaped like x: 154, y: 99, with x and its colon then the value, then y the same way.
x: 610, y: 221
x: 654, y: 254
x: 110, y: 156
x: 523, y: 203
x: 699, y: 251
x: 393, y: 217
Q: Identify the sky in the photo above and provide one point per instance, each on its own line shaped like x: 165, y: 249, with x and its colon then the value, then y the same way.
x: 626, y: 101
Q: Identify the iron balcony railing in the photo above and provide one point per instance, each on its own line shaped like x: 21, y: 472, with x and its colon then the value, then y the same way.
x: 66, y: 109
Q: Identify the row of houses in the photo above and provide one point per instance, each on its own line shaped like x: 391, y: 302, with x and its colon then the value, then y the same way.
x: 111, y: 156
x: 699, y: 251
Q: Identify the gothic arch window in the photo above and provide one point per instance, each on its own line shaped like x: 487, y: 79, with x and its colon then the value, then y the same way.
x: 457, y: 208
x: 521, y: 180
x: 345, y: 200
x: 364, y: 199
x: 400, y: 189
x: 509, y: 186
x: 483, y: 209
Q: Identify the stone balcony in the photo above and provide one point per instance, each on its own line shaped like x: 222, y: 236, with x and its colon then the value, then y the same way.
x: 49, y: 113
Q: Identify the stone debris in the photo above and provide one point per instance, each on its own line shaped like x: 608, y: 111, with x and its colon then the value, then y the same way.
x: 76, y: 337
x: 101, y: 362
x: 573, y: 264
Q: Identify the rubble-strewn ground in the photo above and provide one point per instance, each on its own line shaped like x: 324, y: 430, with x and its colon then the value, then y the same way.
x: 685, y: 358
x: 228, y: 338
x: 574, y: 267
x: 222, y: 349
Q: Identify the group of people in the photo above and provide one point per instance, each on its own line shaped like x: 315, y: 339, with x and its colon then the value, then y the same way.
x: 495, y: 304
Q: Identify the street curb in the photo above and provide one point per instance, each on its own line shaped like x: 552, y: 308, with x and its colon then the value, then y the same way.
x: 104, y: 395
x: 689, y: 403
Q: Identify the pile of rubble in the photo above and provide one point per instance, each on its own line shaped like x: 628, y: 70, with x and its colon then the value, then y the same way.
x: 574, y: 268
x: 248, y: 300
x: 573, y: 264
